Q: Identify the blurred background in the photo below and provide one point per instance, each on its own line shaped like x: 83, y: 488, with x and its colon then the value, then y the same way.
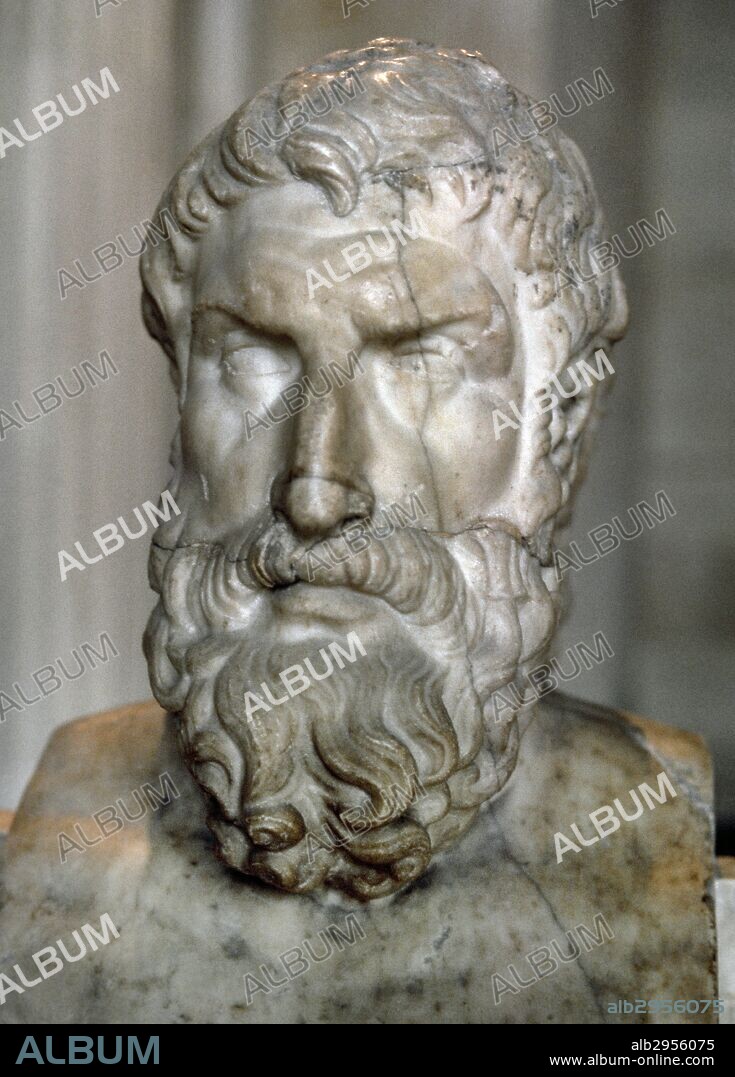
x: 662, y: 140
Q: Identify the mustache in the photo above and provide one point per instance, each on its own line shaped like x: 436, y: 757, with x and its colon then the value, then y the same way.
x: 445, y: 586
x: 408, y: 569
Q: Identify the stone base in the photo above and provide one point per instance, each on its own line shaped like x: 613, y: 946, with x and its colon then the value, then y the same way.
x: 454, y: 947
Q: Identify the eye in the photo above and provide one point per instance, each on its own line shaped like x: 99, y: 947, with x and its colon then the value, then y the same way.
x: 427, y: 358
x: 253, y: 361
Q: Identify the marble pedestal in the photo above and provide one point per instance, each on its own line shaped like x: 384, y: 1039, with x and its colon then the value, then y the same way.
x: 487, y: 936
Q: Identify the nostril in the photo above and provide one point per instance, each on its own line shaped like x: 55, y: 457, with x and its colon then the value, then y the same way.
x: 275, y: 828
x: 360, y: 506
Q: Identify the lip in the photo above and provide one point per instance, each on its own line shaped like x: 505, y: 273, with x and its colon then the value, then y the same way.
x: 329, y: 605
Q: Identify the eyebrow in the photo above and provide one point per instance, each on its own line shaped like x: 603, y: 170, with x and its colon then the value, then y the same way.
x: 397, y: 328
x: 368, y: 322
x: 207, y: 306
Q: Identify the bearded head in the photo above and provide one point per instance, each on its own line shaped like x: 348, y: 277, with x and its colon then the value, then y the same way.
x: 382, y: 424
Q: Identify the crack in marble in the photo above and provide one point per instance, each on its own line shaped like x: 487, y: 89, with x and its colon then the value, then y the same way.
x: 523, y: 868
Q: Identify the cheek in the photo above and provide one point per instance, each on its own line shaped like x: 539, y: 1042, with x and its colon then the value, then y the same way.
x: 472, y: 468
x: 229, y: 414
x: 210, y: 430
x: 228, y: 464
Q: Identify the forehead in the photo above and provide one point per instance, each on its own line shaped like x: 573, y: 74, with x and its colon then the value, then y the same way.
x: 269, y: 259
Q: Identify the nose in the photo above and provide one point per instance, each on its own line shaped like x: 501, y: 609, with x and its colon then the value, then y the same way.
x: 323, y: 486
x: 319, y: 507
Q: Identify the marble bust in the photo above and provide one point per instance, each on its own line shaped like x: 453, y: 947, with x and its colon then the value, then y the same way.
x: 288, y: 265
x: 386, y: 403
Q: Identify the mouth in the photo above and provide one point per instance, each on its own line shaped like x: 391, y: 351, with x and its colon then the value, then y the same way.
x: 278, y: 562
x: 325, y: 606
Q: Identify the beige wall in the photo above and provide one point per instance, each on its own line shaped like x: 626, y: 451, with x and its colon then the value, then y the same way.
x: 663, y: 139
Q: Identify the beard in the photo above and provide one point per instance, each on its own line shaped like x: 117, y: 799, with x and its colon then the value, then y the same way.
x: 375, y: 765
